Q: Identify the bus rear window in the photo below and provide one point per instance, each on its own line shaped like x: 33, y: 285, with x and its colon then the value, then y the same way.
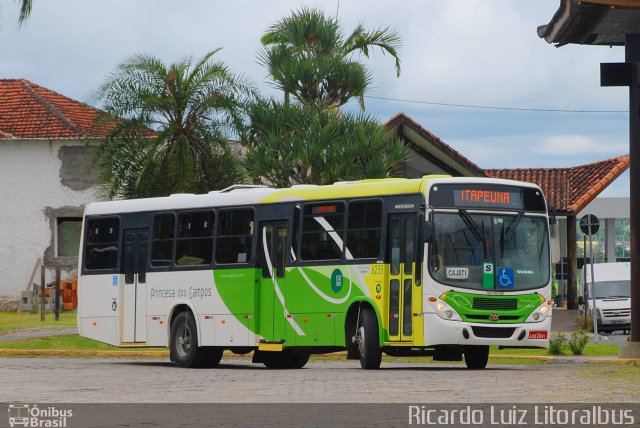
x: 101, y: 241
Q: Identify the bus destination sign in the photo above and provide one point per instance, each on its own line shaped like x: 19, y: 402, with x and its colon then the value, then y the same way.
x: 472, y: 197
x: 477, y: 196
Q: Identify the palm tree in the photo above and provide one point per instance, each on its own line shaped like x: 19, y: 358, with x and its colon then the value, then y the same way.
x: 172, y: 123
x: 25, y: 11
x: 297, y: 144
x: 309, y: 58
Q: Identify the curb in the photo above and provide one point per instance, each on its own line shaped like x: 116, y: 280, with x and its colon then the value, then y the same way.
x: 82, y: 353
x: 572, y: 360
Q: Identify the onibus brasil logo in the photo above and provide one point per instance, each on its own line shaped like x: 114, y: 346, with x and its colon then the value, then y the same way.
x: 25, y: 415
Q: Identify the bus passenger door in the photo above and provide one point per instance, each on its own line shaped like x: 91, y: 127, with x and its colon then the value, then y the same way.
x: 403, y: 289
x: 273, y: 243
x: 134, y: 307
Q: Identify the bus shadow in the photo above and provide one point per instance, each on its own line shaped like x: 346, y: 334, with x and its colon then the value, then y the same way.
x: 222, y: 365
x: 252, y: 366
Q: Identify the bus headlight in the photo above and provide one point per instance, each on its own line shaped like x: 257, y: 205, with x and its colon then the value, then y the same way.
x: 443, y: 310
x: 540, y: 314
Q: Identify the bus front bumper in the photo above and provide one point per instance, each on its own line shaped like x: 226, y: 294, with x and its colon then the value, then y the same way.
x: 438, y: 331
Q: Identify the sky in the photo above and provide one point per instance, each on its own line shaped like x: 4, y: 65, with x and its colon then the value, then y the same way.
x: 462, y: 52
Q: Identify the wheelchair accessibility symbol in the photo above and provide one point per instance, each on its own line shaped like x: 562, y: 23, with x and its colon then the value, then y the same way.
x: 505, y: 277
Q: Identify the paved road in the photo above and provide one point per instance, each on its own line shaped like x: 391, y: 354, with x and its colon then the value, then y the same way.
x: 67, y: 380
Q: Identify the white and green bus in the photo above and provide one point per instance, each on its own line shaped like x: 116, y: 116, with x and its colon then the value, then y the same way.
x: 436, y: 266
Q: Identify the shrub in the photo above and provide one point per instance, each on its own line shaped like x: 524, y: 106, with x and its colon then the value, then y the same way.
x: 556, y: 343
x: 578, y: 341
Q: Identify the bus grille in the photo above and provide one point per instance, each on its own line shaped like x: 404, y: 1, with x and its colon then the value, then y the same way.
x: 495, y: 304
x: 493, y: 332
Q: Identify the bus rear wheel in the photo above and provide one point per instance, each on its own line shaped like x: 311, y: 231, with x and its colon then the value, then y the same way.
x: 366, y: 339
x: 300, y: 359
x: 476, y: 357
x: 183, y: 344
x: 277, y: 360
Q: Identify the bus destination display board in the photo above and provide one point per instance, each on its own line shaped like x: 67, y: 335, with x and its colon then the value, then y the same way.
x: 482, y: 196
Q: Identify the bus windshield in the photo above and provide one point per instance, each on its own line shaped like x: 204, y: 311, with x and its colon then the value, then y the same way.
x: 489, y: 251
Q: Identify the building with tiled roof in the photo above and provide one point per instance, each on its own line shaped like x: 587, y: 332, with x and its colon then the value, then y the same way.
x: 46, y: 158
x: 29, y: 111
x: 429, y: 154
x: 569, y: 190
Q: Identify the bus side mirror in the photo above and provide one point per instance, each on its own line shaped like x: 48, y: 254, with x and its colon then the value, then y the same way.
x: 427, y: 231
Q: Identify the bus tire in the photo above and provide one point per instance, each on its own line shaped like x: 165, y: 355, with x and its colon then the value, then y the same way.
x: 183, y: 342
x: 213, y: 355
x: 277, y: 360
x: 300, y: 359
x: 368, y: 341
x: 476, y: 357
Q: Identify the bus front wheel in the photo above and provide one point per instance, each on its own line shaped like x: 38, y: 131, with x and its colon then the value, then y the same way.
x: 476, y: 357
x: 366, y: 339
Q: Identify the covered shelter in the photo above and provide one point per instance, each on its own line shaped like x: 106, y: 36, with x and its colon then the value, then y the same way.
x: 613, y: 23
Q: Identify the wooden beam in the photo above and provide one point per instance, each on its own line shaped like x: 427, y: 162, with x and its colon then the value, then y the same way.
x: 615, y: 3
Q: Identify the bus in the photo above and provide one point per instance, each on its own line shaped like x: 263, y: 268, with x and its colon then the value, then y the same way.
x: 436, y: 266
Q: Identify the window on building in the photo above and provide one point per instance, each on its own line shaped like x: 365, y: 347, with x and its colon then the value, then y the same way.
x: 235, y: 231
x: 68, y: 231
x: 102, y: 237
x: 194, y: 244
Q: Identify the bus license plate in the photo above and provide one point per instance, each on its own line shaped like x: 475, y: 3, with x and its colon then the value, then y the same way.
x: 540, y: 334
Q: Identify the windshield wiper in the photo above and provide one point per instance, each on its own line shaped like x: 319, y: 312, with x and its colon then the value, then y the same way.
x: 472, y: 225
x: 507, y: 234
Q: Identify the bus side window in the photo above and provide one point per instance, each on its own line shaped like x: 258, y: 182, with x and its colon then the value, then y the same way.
x: 102, y: 237
x: 162, y: 244
x: 295, y: 240
x: 194, y: 244
x: 365, y: 229
x: 322, y: 231
x: 235, y: 234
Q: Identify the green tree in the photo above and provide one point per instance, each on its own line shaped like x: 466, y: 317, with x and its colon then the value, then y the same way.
x: 25, y: 11
x: 171, y: 126
x: 309, y: 58
x: 296, y: 144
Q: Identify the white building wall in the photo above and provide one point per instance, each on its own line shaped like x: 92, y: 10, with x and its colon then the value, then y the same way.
x: 30, y: 180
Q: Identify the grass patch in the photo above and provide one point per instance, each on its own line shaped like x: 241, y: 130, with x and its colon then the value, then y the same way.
x: 71, y: 342
x: 591, y: 350
x: 10, y: 321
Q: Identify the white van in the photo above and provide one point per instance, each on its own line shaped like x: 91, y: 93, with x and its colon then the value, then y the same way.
x: 612, y: 292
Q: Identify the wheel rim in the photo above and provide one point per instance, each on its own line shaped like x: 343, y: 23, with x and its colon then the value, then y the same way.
x: 183, y: 341
x: 360, y: 340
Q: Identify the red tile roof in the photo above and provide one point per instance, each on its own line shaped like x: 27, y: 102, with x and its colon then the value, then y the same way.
x: 569, y: 190
x: 29, y: 111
